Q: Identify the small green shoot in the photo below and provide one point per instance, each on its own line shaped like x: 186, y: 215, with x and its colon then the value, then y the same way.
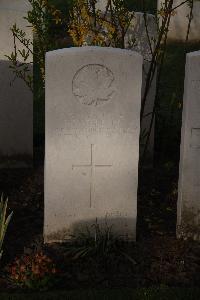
x: 4, y: 221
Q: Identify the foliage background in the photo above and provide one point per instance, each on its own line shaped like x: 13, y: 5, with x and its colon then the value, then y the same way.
x: 170, y: 94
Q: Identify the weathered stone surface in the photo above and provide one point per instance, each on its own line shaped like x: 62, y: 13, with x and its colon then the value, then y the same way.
x: 101, y: 4
x: 143, y: 34
x: 15, y: 5
x: 188, y: 224
x: 16, y: 100
x: 93, y: 99
x: 179, y: 22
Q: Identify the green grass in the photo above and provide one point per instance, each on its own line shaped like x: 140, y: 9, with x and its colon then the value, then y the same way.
x: 115, y: 294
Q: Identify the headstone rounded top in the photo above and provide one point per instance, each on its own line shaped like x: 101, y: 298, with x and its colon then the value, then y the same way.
x: 194, y: 53
x: 93, y: 84
x: 15, y: 5
x: 92, y: 49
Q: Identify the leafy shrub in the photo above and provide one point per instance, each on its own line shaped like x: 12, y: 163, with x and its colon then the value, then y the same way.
x: 98, y: 242
x: 92, y: 26
x: 40, y: 18
x: 94, y: 241
x: 35, y: 271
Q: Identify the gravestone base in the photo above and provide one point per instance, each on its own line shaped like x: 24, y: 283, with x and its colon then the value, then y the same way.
x: 189, y: 227
x: 105, y: 225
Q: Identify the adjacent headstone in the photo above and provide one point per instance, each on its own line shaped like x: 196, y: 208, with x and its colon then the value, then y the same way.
x: 16, y: 100
x: 101, y: 4
x: 179, y: 22
x: 189, y: 171
x: 142, y: 31
x: 141, y: 37
x: 93, y: 99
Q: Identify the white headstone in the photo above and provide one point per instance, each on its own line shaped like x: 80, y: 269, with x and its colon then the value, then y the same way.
x: 179, y: 22
x: 189, y: 171
x: 93, y: 99
x: 16, y: 100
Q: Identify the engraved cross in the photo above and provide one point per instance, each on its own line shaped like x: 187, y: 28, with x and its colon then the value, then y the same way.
x: 92, y: 167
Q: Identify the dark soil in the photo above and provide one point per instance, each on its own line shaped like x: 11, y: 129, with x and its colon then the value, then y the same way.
x: 157, y: 257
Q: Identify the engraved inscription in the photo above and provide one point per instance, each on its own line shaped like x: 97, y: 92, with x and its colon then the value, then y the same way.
x: 195, y: 138
x: 92, y: 166
x: 196, y: 175
x: 195, y: 145
x: 93, y: 84
x: 95, y: 126
x: 196, y: 85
